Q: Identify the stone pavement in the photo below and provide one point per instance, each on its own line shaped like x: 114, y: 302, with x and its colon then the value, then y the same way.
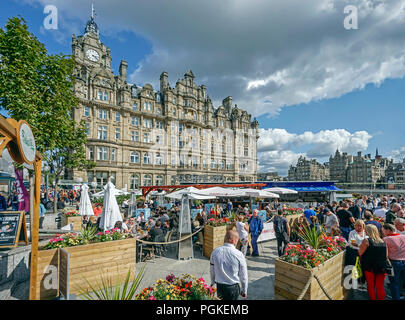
x: 260, y: 270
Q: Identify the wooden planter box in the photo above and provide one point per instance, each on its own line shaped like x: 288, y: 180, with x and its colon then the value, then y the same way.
x: 213, y: 237
x: 291, y: 279
x: 77, y: 222
x: 110, y: 259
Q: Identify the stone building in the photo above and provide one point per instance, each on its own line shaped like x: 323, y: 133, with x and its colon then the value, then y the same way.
x: 338, y: 165
x: 308, y: 170
x: 395, y: 175
x: 268, y: 176
x: 363, y: 169
x: 141, y: 136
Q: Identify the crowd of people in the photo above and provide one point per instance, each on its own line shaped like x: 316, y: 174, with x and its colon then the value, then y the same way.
x: 374, y: 229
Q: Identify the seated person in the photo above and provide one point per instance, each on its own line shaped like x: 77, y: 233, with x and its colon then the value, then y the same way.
x: 125, y: 227
x: 150, y: 223
x: 155, y: 232
x: 314, y: 223
x: 85, y: 220
x: 118, y: 225
x: 141, y: 217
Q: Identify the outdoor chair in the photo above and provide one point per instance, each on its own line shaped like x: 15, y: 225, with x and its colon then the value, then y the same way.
x: 200, y: 242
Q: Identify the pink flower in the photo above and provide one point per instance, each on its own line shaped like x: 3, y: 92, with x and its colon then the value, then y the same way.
x: 152, y: 298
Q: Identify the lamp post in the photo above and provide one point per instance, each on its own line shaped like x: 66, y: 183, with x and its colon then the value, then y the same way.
x: 46, y: 169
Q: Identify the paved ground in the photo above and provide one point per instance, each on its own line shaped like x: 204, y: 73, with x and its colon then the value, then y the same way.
x: 260, y: 270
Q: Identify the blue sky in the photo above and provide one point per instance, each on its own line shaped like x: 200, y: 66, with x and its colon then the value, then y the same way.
x: 329, y: 88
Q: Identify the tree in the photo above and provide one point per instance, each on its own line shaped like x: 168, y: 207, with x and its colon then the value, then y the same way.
x: 38, y: 88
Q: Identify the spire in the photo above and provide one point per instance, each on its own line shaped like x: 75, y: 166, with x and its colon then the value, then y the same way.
x: 91, y: 26
x: 376, y: 153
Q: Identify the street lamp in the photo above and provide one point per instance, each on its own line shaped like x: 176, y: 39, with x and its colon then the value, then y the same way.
x: 46, y: 169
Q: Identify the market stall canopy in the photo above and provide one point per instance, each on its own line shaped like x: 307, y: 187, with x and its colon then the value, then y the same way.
x: 85, y: 208
x: 221, y: 192
x: 193, y: 194
x: 258, y: 193
x: 111, y: 212
x: 279, y: 190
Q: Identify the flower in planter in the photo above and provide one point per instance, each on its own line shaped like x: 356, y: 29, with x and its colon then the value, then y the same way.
x: 71, y: 213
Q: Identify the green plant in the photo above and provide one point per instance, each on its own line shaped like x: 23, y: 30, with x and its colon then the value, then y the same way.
x: 121, y: 198
x: 311, y: 235
x: 87, y: 234
x: 107, y: 291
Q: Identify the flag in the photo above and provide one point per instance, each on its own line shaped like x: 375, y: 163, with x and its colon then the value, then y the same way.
x: 23, y: 196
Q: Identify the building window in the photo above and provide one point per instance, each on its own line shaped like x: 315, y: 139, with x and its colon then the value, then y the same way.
x: 147, y: 123
x: 117, y: 117
x: 102, y: 132
x: 173, y: 141
x: 100, y: 95
x: 85, y: 93
x: 113, y: 153
x: 246, y: 152
x: 134, y: 158
x: 182, y: 114
x: 158, y: 139
x: 146, y: 158
x: 117, y: 133
x: 91, y: 153
x: 87, y: 126
x: 134, y: 182
x: 135, y: 106
x: 159, y: 180
x: 149, y: 106
x: 213, y: 164
x: 147, y: 180
x: 135, y: 121
x: 174, y: 101
x: 102, y: 114
x: 159, y: 111
x: 159, y: 159
x: 159, y: 124
x: 221, y: 164
x: 173, y: 160
x: 102, y: 153
x: 146, y: 137
x: 180, y: 128
x: 86, y: 111
x: 106, y: 96
x: 136, y: 136
x: 174, y: 111
x: 195, y: 117
x: 158, y: 97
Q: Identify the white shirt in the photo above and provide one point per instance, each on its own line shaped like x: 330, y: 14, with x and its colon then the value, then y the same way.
x: 353, y: 235
x: 124, y: 226
x: 240, y: 227
x: 331, y: 221
x: 228, y: 266
x: 380, y: 212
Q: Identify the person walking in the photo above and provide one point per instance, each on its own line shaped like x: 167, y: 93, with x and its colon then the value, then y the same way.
x: 346, y: 220
x: 255, y: 229
x: 282, y: 231
x: 228, y: 269
x: 243, y: 232
x: 396, y: 253
x: 373, y: 256
x: 42, y: 212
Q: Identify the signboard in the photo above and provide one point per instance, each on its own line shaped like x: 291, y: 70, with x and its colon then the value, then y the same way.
x: 194, y: 212
x: 391, y: 183
x: 208, y: 207
x: 168, y: 206
x: 10, y: 229
x: 146, y: 213
x: 267, y: 232
x: 64, y: 273
x: 262, y: 215
x: 26, y: 142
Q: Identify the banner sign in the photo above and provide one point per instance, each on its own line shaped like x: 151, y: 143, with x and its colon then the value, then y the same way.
x: 194, y: 212
x: 208, y: 207
x: 267, y: 232
x: 23, y: 196
x: 146, y: 213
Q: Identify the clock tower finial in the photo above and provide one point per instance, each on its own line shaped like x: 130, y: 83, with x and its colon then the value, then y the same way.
x: 92, y: 11
x: 91, y: 26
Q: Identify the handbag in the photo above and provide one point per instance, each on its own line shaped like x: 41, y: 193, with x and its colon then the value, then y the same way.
x: 357, y: 272
x: 389, y: 270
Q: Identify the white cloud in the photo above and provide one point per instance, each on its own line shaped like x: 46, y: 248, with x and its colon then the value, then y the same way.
x: 276, y: 147
x: 286, y: 52
x: 398, y: 155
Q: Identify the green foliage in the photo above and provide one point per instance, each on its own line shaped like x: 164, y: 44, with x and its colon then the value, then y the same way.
x: 39, y: 88
x: 122, y: 198
x: 106, y: 290
x: 312, y: 236
x: 87, y: 234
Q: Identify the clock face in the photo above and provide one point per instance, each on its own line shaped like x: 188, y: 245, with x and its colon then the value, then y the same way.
x: 92, y: 55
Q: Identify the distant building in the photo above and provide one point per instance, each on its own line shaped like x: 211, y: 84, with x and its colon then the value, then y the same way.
x: 338, y: 165
x: 269, y: 176
x: 308, y: 170
x: 395, y: 175
x: 363, y: 169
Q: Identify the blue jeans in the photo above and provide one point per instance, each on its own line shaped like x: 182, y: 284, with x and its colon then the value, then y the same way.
x: 254, y: 243
x: 399, y: 272
x: 345, y: 232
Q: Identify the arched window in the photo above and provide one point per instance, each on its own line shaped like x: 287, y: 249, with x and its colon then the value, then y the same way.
x: 147, y: 180
x: 146, y: 158
x: 159, y: 180
x: 134, y: 182
x: 134, y: 157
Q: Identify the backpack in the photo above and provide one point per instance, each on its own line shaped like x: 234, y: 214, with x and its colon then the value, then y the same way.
x: 279, y: 225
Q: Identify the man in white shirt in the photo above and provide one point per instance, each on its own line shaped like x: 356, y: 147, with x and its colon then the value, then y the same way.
x: 331, y: 220
x: 381, y: 211
x: 228, y: 269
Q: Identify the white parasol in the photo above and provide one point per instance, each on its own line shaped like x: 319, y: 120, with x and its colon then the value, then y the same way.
x: 193, y: 194
x: 259, y: 193
x: 85, y: 208
x: 221, y: 192
x: 281, y: 190
x: 111, y: 212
